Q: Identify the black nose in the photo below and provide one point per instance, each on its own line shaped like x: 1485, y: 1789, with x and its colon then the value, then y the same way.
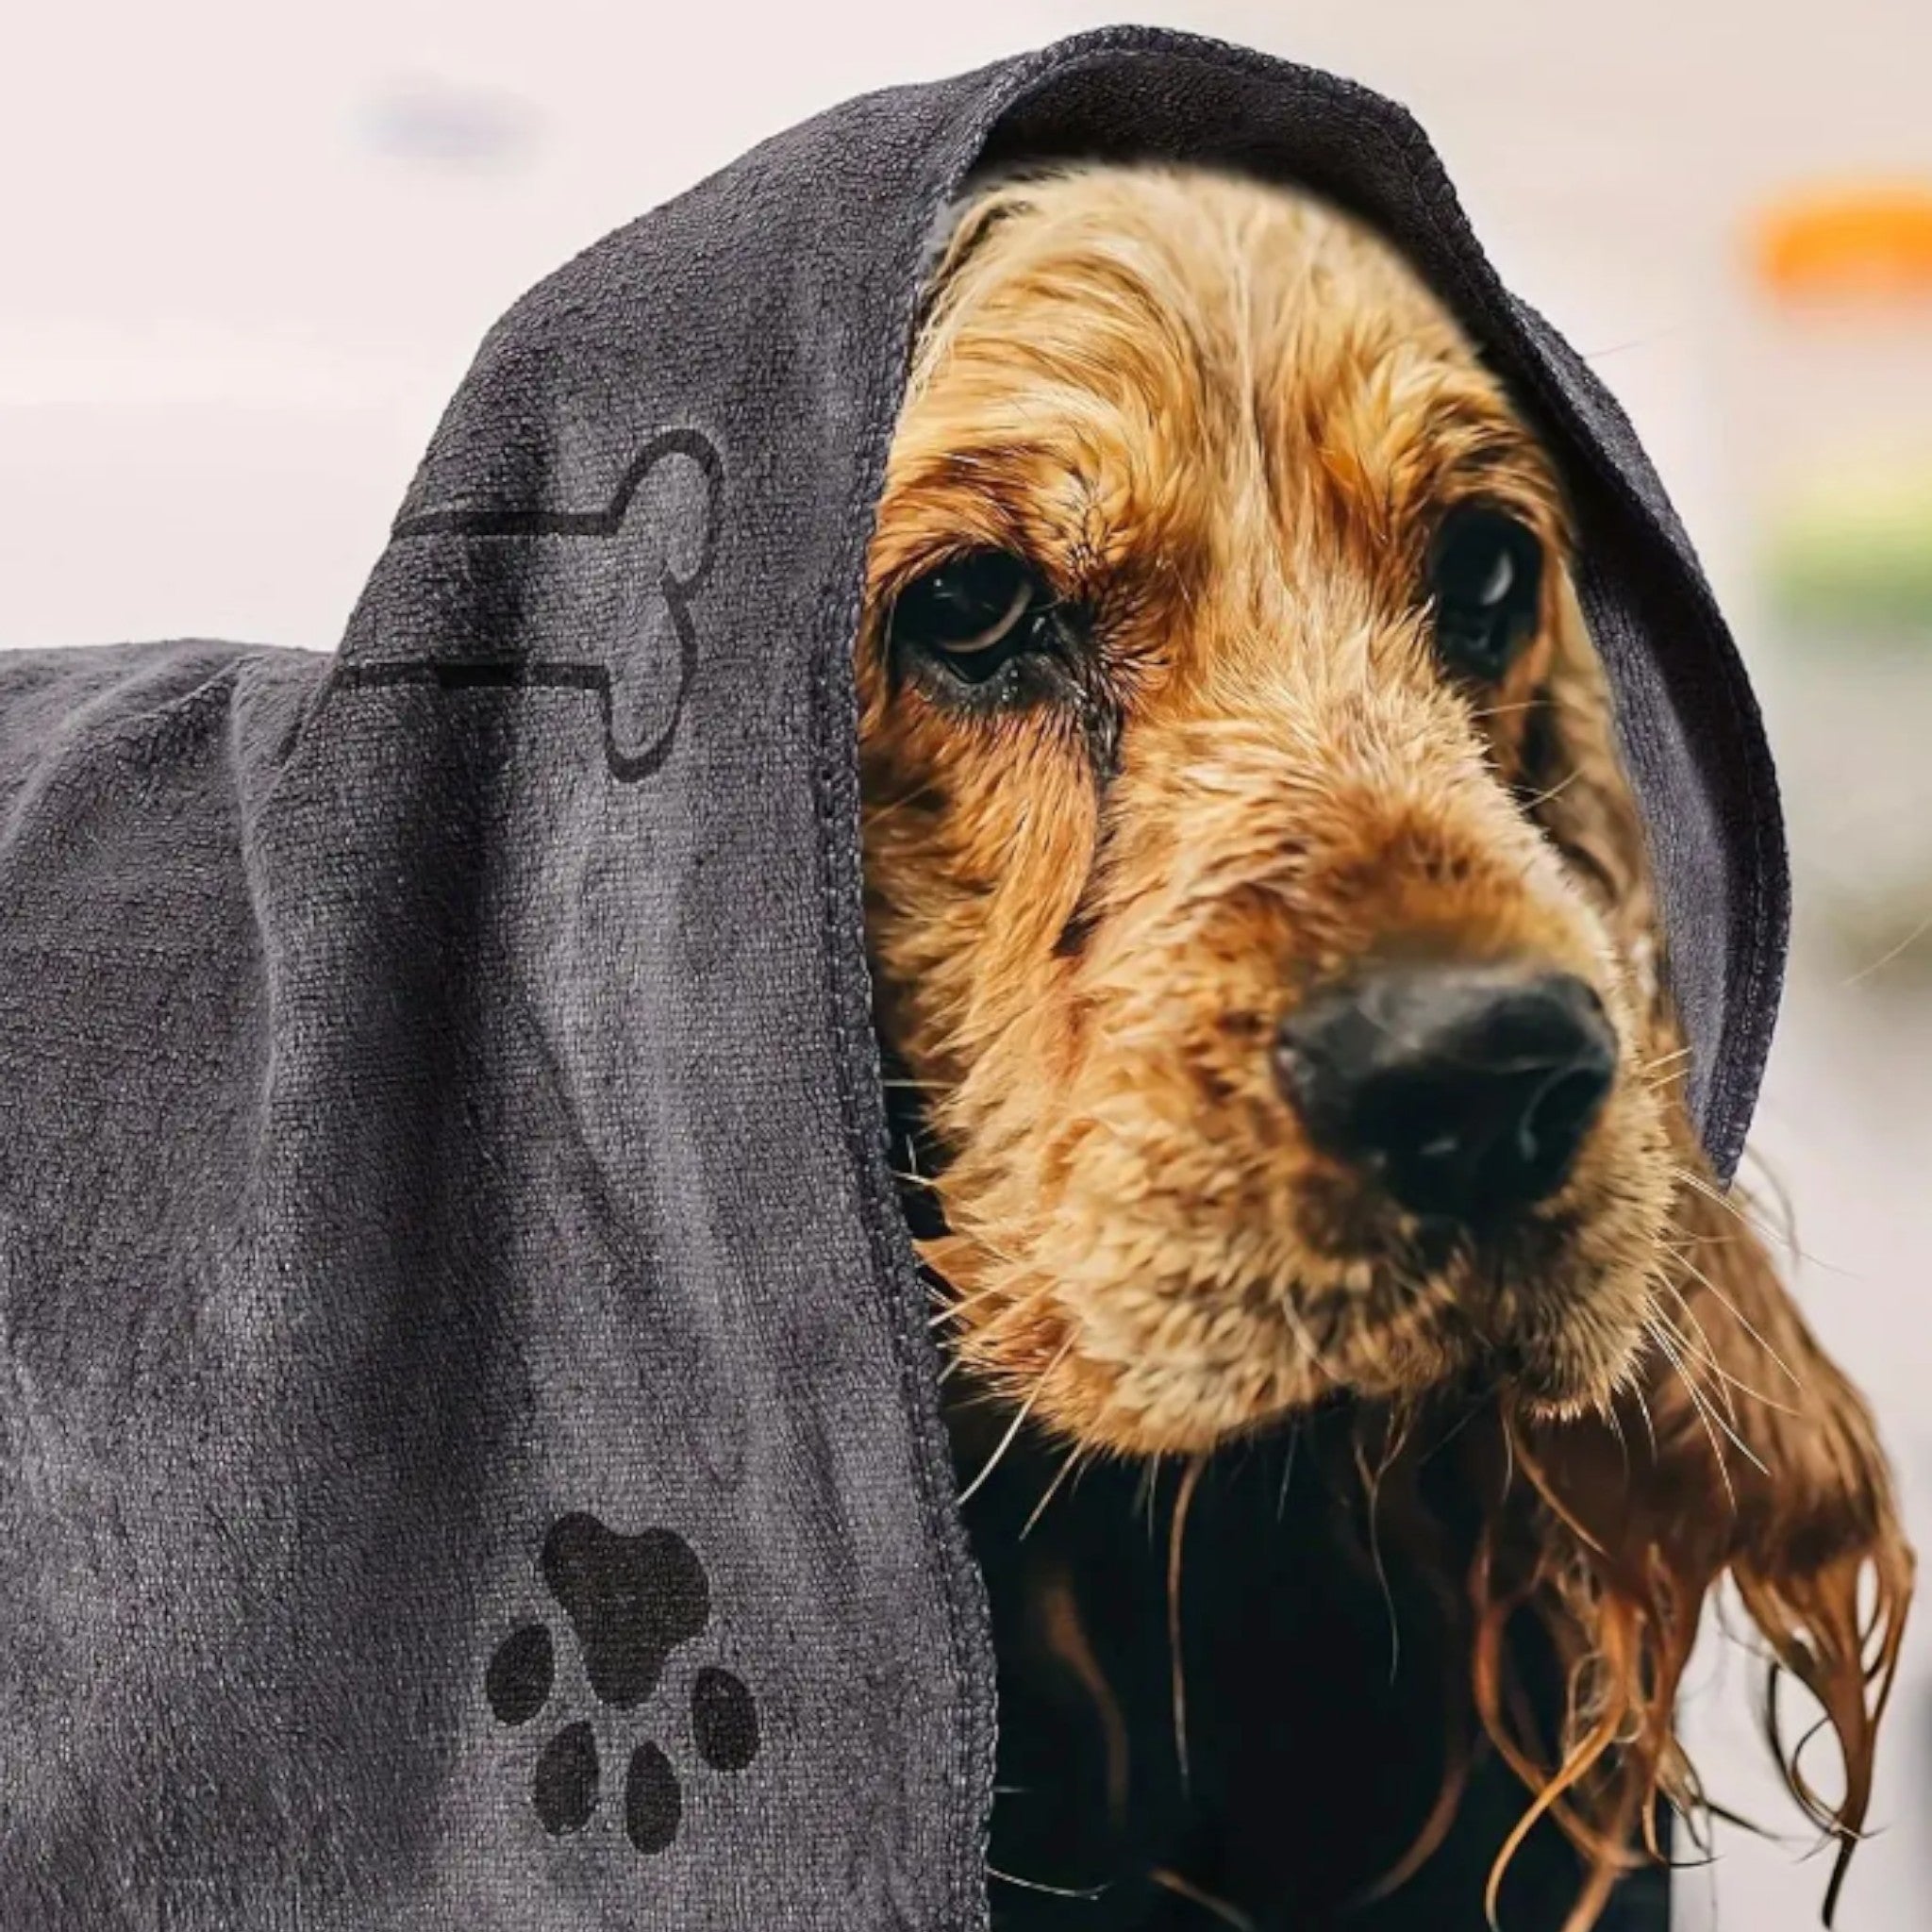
x: 1466, y: 1090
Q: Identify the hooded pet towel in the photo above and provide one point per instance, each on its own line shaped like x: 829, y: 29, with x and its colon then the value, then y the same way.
x: 469, y: 1451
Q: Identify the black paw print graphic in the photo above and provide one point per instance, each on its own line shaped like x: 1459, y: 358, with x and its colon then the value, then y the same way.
x: 631, y: 1600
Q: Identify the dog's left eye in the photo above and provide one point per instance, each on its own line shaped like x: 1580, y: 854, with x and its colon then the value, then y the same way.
x: 1486, y: 583
x: 973, y: 615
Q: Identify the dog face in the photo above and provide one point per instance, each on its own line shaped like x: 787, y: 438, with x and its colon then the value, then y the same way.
x: 1255, y: 900
x: 1262, y: 917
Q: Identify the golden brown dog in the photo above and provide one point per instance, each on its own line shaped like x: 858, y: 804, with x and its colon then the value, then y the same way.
x: 1258, y: 909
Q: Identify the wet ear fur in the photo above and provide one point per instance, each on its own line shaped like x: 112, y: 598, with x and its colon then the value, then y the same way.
x: 1738, y: 1451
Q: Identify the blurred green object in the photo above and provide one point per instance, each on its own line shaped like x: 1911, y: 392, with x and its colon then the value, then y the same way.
x: 1850, y: 559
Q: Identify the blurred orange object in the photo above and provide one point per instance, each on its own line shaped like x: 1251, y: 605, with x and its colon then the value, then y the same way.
x: 1861, y: 243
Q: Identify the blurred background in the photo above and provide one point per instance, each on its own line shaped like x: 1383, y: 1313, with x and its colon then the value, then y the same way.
x: 246, y: 253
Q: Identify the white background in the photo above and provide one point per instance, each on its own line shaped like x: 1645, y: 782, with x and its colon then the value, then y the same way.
x: 246, y: 253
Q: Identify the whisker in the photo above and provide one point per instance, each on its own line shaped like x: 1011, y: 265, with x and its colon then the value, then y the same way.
x: 1555, y: 790
x: 1742, y: 1447
x: 1469, y: 1412
x: 960, y: 1303
x: 1737, y: 1315
x: 1051, y: 1890
x: 1702, y: 1357
x: 1294, y: 1442
x: 1891, y: 953
x: 1697, y: 1182
x: 1018, y: 1422
x: 1710, y: 1354
x: 1788, y: 1213
x: 1681, y: 1241
x: 1629, y: 343
x: 1710, y: 1416
x: 1148, y: 1491
x: 1649, y: 1421
x: 1614, y: 1424
x: 1053, y: 1489
x: 1724, y: 1468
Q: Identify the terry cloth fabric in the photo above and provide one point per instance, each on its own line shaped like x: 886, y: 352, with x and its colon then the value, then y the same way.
x: 469, y: 1450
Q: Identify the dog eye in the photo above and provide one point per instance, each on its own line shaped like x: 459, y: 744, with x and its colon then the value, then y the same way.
x: 974, y: 614
x: 1486, y: 582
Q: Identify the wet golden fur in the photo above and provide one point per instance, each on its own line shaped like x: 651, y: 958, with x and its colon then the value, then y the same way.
x: 1223, y: 421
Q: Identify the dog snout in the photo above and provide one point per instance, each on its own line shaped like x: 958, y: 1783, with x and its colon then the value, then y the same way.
x: 1465, y: 1090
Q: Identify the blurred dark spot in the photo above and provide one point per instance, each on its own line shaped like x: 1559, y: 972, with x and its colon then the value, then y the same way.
x: 449, y: 125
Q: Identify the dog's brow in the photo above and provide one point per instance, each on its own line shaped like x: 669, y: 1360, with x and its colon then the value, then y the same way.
x: 1482, y: 448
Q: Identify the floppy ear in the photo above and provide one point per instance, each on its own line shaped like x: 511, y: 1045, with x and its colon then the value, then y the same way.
x: 1740, y: 1453
x: 1737, y: 1451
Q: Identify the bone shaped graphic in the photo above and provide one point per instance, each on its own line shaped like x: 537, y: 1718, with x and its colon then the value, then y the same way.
x: 465, y: 598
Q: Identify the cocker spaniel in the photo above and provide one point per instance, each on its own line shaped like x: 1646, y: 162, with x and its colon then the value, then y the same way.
x: 1262, y: 938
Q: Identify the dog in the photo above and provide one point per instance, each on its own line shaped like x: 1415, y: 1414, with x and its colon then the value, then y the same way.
x: 1262, y: 928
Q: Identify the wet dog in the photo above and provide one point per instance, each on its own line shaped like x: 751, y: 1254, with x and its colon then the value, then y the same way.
x: 1261, y: 921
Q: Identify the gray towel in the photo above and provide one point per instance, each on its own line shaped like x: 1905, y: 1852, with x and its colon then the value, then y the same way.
x: 469, y: 1451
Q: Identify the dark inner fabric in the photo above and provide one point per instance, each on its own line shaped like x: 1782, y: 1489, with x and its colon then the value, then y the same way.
x: 1316, y: 1699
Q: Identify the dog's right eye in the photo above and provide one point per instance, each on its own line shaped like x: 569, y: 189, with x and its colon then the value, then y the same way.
x: 973, y: 615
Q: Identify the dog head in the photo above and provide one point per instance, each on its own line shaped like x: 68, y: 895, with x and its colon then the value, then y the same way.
x: 1250, y: 883
x: 1260, y: 916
